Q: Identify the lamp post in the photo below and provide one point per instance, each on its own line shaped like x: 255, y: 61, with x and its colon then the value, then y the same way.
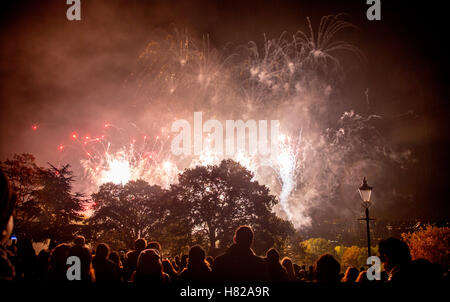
x: 365, y: 191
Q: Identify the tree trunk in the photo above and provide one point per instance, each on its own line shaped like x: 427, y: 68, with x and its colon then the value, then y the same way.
x: 212, y: 240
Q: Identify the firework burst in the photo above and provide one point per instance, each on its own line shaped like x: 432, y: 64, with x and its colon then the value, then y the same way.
x: 291, y: 79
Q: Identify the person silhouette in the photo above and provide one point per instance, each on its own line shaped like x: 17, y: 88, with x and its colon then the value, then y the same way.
x: 132, y: 257
x: 289, y: 267
x: 105, y: 270
x: 239, y: 262
x: 154, y: 245
x: 276, y: 272
x: 80, y: 250
x: 7, y: 204
x: 197, y: 268
x: 350, y: 274
x: 169, y: 270
x: 396, y: 257
x: 58, y: 263
x: 149, y: 268
x: 327, y: 269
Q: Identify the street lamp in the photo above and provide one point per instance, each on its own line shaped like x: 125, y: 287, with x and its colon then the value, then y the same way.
x: 365, y: 191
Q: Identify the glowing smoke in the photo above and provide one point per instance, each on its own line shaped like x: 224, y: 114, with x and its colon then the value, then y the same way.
x: 295, y: 79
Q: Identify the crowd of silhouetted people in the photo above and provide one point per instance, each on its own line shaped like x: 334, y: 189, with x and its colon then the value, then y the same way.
x: 147, y: 264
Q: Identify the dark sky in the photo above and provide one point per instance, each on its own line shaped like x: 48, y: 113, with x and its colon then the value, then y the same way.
x: 48, y: 67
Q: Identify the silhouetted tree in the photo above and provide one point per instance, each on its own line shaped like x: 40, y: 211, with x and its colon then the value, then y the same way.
x: 127, y: 212
x: 61, y: 214
x: 352, y: 257
x: 24, y: 175
x: 213, y: 200
x: 292, y: 247
x: 46, y: 207
x: 431, y: 243
x: 271, y: 231
x: 315, y: 247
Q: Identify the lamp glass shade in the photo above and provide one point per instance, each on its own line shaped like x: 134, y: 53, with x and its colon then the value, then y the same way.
x: 365, y: 195
x: 365, y: 191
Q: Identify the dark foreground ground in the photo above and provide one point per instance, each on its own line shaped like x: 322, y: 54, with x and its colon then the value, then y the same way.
x: 226, y: 291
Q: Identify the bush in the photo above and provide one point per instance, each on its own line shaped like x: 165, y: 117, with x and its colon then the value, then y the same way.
x: 431, y: 243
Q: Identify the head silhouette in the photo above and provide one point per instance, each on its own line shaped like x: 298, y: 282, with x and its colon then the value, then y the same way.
x: 183, y: 261
x: 351, y: 274
x: 149, y: 262
x: 79, y: 241
x: 327, y: 269
x: 139, y: 244
x: 154, y: 245
x: 58, y: 259
x: 362, y: 277
x: 114, y: 257
x: 243, y: 236
x: 288, y: 266
x: 394, y: 253
x: 425, y: 271
x: 196, y: 254
x: 102, y: 251
x: 272, y: 255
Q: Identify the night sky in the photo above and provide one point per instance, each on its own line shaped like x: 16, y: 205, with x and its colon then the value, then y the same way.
x: 69, y: 75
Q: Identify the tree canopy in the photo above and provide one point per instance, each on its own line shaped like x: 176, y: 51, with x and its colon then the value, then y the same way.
x: 431, y: 243
x: 130, y: 211
x: 46, y: 206
x: 205, y: 206
x: 214, y: 200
